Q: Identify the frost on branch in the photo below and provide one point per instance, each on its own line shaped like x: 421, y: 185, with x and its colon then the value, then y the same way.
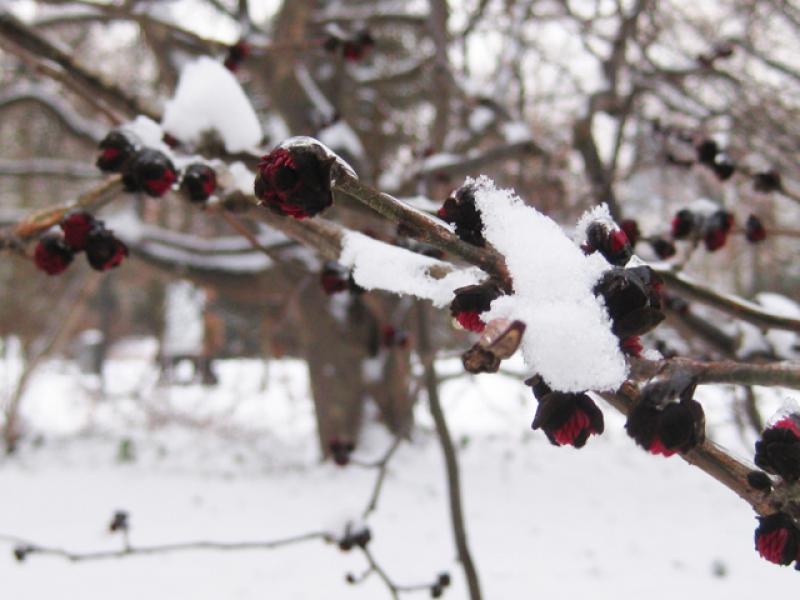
x: 208, y: 98
x: 568, y: 339
x: 376, y: 265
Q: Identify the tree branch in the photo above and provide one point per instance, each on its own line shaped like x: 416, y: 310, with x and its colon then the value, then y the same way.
x: 427, y: 357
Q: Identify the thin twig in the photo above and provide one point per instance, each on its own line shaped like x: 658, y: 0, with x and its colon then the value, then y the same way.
x: 427, y: 357
x: 785, y: 374
x: 130, y: 550
x: 382, y: 466
x: 736, y: 307
x: 707, y: 457
x: 92, y: 200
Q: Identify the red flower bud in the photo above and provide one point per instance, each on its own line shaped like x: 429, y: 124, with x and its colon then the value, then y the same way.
x: 716, y: 229
x: 150, y: 171
x: 237, y: 55
x: 116, y: 149
x: 76, y: 227
x: 664, y: 249
x: 470, y: 301
x: 199, y: 182
x: 341, y: 450
x: 294, y: 182
x: 565, y: 418
x: 103, y: 250
x: 611, y: 243
x: 777, y: 538
x: 754, y: 230
x: 684, y: 224
x: 631, y: 229
x: 778, y: 450
x: 632, y: 298
x: 662, y: 426
x: 52, y: 255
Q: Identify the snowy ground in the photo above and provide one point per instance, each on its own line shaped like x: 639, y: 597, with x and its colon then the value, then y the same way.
x: 238, y: 462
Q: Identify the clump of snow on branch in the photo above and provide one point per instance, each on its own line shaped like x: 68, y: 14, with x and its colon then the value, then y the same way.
x: 377, y: 265
x: 148, y: 132
x: 209, y: 97
x: 568, y: 337
x: 241, y: 177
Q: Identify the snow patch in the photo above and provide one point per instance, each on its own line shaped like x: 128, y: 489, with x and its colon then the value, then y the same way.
x: 341, y: 136
x: 568, y: 338
x: 377, y: 265
x: 148, y: 132
x: 209, y: 97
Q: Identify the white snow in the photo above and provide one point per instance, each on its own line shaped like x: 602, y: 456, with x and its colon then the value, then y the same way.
x: 240, y: 462
x: 242, y: 177
x: 377, y: 265
x: 183, y: 319
x: 598, y: 213
x: 568, y: 337
x: 340, y: 136
x: 784, y: 343
x: 704, y: 206
x: 481, y: 118
x: 304, y: 140
x: 440, y: 161
x: 314, y: 94
x: 148, y: 132
x: 208, y: 97
x: 516, y: 132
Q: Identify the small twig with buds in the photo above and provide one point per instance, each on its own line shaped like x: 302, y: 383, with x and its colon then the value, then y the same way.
x: 436, y: 588
x: 42, y: 220
x: 24, y: 548
x: 707, y: 456
x: 427, y: 357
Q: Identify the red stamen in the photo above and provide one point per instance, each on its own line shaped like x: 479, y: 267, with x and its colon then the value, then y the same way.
x: 618, y: 240
x: 471, y: 320
x: 788, y: 423
x: 658, y: 447
x: 771, y: 545
x: 569, y: 431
